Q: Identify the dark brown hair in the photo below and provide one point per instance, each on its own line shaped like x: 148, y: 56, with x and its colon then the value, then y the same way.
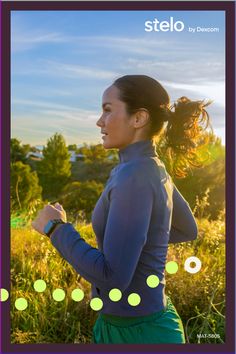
x: 187, y: 120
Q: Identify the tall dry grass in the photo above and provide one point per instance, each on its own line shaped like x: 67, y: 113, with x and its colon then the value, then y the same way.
x: 199, y: 298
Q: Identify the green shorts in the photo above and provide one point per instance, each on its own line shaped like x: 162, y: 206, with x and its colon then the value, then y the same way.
x: 164, y: 326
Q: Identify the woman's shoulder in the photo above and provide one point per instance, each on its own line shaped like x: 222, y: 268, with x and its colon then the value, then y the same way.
x: 142, y: 169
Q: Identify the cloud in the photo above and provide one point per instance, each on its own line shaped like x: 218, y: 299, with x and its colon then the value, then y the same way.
x: 213, y: 91
x: 44, y: 117
x: 50, y: 105
x: 64, y: 70
x: 37, y: 129
x: 27, y: 41
x: 75, y: 71
x: 135, y: 45
x: 201, y: 70
x: 22, y: 40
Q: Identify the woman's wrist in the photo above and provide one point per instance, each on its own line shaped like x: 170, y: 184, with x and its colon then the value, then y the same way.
x: 56, y: 228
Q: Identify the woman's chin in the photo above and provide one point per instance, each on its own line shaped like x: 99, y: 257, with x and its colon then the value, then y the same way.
x: 107, y: 144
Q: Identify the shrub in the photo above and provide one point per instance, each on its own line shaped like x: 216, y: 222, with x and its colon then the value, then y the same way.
x: 25, y: 188
x: 79, y: 198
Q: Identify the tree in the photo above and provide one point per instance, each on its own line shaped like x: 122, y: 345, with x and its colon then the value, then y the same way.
x: 93, y: 153
x: 17, y: 151
x: 72, y: 147
x: 210, y: 177
x: 55, y: 168
x: 96, y: 165
x: 24, y: 186
x: 81, y: 197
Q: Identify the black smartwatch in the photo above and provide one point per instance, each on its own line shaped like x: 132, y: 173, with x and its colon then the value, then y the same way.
x: 50, y: 226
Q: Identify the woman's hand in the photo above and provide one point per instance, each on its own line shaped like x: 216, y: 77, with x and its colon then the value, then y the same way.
x: 49, y: 212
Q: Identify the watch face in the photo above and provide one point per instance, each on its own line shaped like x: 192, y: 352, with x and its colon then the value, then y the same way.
x: 48, y: 227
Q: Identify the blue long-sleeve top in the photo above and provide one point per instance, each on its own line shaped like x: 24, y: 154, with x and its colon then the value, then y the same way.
x: 139, y: 212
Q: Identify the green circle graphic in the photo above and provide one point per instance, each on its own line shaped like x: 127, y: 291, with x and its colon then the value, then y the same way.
x: 4, y: 295
x: 171, y: 267
x: 96, y: 304
x: 21, y: 304
x: 115, y: 294
x: 134, y: 299
x: 153, y: 281
x: 58, y: 294
x: 77, y: 295
x: 40, y: 286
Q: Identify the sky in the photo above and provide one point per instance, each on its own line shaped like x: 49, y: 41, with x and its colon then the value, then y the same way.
x: 62, y: 61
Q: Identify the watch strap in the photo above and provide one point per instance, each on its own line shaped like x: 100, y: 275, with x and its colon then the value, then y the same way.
x: 53, y: 224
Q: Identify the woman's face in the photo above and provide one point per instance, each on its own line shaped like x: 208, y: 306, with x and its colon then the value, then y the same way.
x: 115, y: 123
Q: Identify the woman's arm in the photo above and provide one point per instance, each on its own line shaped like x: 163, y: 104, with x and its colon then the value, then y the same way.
x: 183, y: 227
x: 125, y: 235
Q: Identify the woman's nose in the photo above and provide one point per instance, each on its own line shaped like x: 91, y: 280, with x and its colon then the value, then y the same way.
x: 99, y: 122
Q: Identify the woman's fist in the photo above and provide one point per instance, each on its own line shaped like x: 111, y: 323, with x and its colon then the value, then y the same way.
x: 49, y: 212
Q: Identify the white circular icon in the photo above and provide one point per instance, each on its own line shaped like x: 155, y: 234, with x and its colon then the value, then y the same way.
x: 194, y: 269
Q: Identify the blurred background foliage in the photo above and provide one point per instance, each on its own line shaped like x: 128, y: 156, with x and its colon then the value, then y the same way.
x: 55, y: 177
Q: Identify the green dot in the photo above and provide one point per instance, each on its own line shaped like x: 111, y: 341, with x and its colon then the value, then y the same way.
x: 115, y: 294
x: 134, y: 299
x: 4, y: 295
x: 96, y: 304
x: 77, y: 295
x: 21, y: 304
x: 58, y: 295
x: 40, y: 286
x: 153, y: 281
x: 171, y: 267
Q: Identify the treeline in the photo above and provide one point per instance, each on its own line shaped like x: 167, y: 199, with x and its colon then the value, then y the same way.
x: 78, y: 185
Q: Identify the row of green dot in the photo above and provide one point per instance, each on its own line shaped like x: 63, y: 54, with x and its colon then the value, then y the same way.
x: 78, y: 295
x: 114, y: 294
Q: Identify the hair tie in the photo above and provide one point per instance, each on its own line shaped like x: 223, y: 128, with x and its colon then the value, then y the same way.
x: 167, y: 114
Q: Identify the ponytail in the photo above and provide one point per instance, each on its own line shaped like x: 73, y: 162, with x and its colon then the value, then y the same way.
x: 185, y: 135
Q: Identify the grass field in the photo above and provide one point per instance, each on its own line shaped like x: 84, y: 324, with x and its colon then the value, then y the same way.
x: 199, y: 298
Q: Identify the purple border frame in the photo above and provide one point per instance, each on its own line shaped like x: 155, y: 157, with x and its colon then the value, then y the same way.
x: 6, y: 8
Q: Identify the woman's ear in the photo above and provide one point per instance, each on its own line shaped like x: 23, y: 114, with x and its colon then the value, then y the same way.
x: 141, y: 118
